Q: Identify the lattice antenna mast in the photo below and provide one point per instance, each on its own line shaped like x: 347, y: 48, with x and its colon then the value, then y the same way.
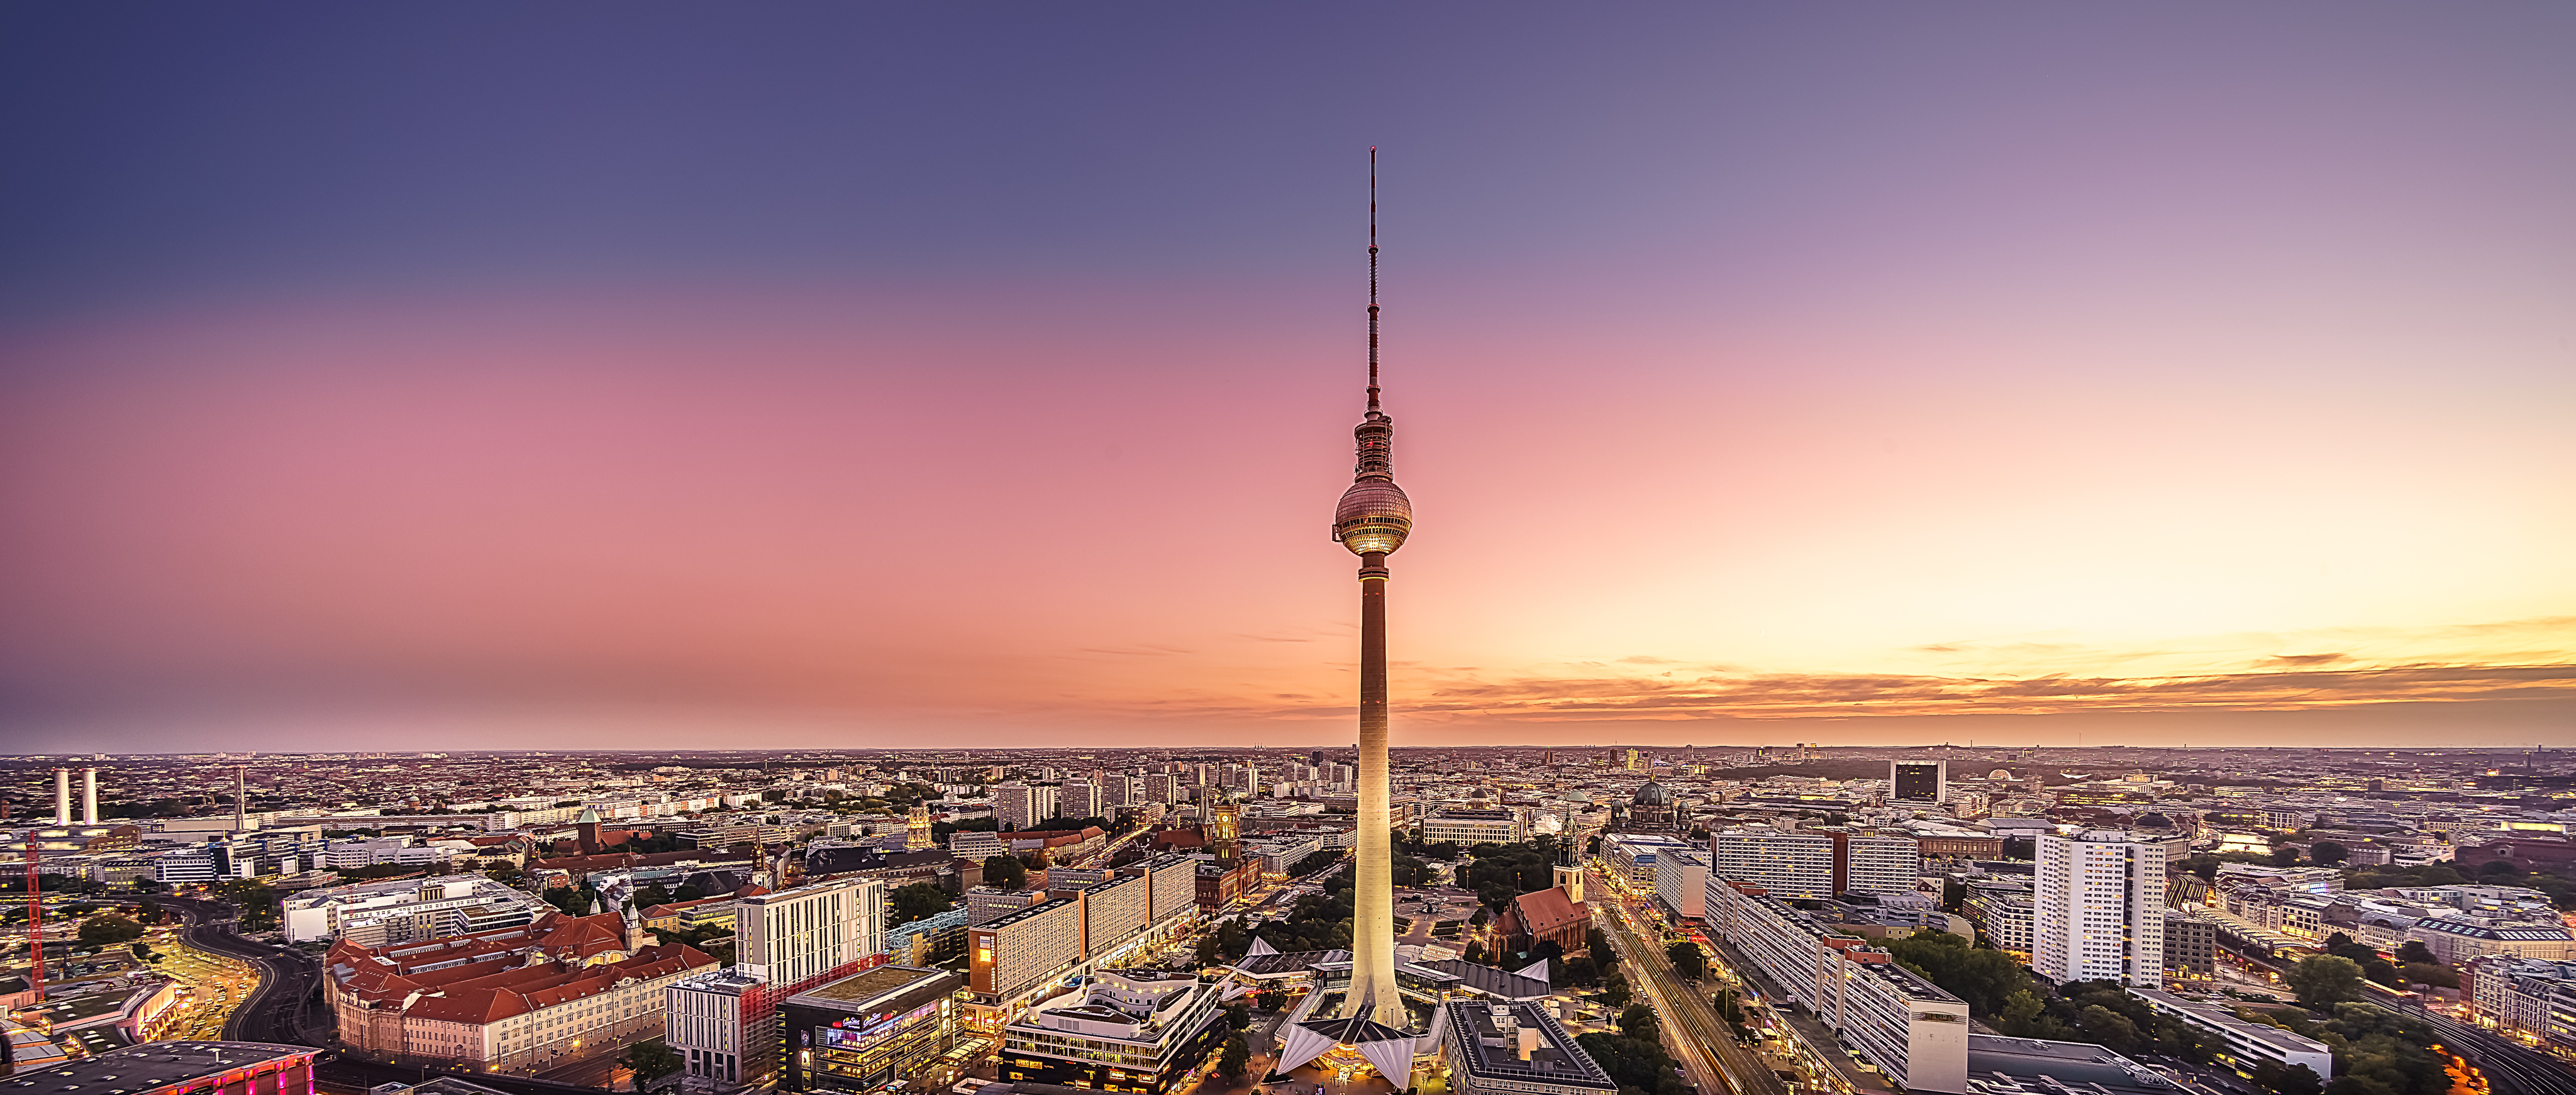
x: 1372, y: 391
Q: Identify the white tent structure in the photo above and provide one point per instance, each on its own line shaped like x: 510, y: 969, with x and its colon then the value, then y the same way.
x: 1389, y: 1050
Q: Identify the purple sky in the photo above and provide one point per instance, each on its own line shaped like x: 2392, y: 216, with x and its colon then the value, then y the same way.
x: 841, y: 374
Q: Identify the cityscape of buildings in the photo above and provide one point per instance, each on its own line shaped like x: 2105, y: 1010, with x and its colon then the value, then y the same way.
x: 1219, y: 917
x: 762, y: 913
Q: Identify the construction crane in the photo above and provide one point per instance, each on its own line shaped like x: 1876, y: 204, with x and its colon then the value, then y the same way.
x: 35, y: 922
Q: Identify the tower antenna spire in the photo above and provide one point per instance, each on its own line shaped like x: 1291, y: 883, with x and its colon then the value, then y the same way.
x: 1372, y: 391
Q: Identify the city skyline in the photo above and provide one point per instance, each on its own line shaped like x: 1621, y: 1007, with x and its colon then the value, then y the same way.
x: 2032, y: 378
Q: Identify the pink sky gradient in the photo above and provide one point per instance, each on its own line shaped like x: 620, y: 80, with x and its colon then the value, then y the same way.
x: 861, y: 522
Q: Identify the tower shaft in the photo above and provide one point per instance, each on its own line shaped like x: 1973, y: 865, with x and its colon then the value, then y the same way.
x: 1374, y: 992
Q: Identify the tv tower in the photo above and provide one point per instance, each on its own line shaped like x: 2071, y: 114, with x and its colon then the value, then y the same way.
x: 1372, y: 521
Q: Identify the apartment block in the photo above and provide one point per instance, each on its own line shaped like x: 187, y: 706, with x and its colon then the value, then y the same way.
x: 2097, y: 909
x: 1900, y: 1023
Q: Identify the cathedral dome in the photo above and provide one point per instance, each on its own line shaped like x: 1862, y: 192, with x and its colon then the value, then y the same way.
x: 1652, y: 794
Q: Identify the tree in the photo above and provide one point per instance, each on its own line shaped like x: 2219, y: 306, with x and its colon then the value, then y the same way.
x: 2294, y: 1080
x: 1639, y: 1065
x: 1688, y: 960
x: 108, y: 930
x: 2285, y: 856
x: 1984, y: 978
x: 1597, y: 942
x: 1614, y: 990
x: 1238, y: 1016
x: 1639, y: 1021
x: 2114, y: 1029
x: 2498, y: 868
x: 2328, y: 853
x: 2413, y: 951
x: 571, y: 901
x: 2325, y: 980
x: 917, y: 901
x: 651, y: 1061
x: 1231, y: 1059
x: 1005, y: 872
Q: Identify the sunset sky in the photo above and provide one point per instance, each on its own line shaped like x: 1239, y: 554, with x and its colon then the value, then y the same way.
x: 671, y: 376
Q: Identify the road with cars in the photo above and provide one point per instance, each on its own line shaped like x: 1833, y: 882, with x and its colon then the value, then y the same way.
x: 1707, y: 1050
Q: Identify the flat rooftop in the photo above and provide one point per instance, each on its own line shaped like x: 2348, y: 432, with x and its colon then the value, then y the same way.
x: 154, y: 1065
x: 2031, y: 1066
x: 859, y: 990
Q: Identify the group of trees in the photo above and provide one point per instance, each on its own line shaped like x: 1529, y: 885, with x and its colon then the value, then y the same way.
x: 1005, y: 872
x: 578, y: 902
x: 2415, y: 965
x: 2376, y: 1052
x: 255, y: 905
x: 2002, y: 994
x: 108, y: 930
x: 654, y: 893
x: 916, y: 901
x: 1688, y: 960
x: 1502, y: 872
x: 1317, y: 922
x: 651, y: 1061
x: 1234, y: 1053
x: 1635, y: 1057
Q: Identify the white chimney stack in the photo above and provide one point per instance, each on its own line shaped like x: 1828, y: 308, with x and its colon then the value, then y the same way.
x: 89, y: 796
x: 62, y: 796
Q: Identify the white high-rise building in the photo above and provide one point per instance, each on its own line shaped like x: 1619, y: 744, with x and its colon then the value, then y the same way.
x: 792, y: 935
x: 1789, y: 865
x: 2098, y: 909
x: 1024, y: 805
x: 1869, y: 863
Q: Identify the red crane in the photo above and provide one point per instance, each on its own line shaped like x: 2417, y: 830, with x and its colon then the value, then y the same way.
x: 35, y: 920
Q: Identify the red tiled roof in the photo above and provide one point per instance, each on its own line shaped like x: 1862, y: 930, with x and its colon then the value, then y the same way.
x: 483, y: 995
x: 1544, y: 911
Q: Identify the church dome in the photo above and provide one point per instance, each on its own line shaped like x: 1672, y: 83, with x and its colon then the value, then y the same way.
x: 1652, y: 794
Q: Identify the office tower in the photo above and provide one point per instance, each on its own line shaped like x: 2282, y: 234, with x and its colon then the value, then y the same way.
x: 1632, y: 761
x: 1372, y: 521
x: 1162, y: 787
x: 1918, y: 780
x: 2098, y: 909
